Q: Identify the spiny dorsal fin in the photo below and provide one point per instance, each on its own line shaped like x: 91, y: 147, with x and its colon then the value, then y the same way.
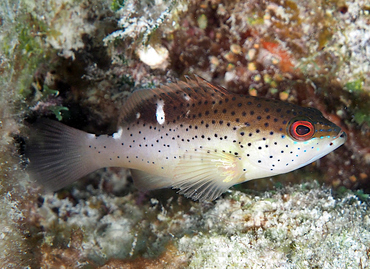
x: 181, y: 93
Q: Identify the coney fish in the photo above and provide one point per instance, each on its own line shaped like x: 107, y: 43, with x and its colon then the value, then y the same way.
x: 192, y: 136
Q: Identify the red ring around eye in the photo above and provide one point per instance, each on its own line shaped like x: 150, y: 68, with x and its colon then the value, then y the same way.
x: 302, y: 130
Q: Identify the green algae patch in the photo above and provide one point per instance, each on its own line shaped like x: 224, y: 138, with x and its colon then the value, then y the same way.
x: 117, y: 4
x: 354, y: 86
x: 27, y: 49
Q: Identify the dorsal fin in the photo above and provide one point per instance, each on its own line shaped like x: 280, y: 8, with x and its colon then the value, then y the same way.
x: 179, y: 94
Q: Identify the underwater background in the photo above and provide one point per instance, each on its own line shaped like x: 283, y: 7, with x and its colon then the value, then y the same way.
x: 77, y: 61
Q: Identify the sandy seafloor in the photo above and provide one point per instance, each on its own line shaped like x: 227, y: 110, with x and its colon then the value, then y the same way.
x: 78, y: 61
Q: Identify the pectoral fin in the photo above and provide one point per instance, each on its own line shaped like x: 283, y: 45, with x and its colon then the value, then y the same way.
x: 204, y: 174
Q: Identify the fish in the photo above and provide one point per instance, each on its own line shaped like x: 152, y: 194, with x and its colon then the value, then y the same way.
x: 189, y: 135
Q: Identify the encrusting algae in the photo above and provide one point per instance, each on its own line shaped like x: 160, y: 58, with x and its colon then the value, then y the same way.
x: 192, y: 136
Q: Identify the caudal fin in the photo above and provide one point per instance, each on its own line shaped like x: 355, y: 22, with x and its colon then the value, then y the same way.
x: 57, y: 154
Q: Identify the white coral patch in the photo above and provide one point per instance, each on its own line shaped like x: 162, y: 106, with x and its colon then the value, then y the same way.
x: 155, y: 57
x: 160, y: 112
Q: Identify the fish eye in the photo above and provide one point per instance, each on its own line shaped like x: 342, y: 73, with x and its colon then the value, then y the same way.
x: 301, y: 130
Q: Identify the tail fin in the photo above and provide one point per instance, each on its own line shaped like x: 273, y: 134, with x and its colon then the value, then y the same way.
x: 57, y: 154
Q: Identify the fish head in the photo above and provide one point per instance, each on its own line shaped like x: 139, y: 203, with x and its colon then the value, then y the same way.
x: 316, y: 136
x: 306, y: 139
x: 299, y: 137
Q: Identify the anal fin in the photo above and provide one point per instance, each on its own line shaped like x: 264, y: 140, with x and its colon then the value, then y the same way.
x: 145, y: 181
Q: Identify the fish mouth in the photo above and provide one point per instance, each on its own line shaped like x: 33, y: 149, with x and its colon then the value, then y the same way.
x: 339, y: 140
x: 342, y: 135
